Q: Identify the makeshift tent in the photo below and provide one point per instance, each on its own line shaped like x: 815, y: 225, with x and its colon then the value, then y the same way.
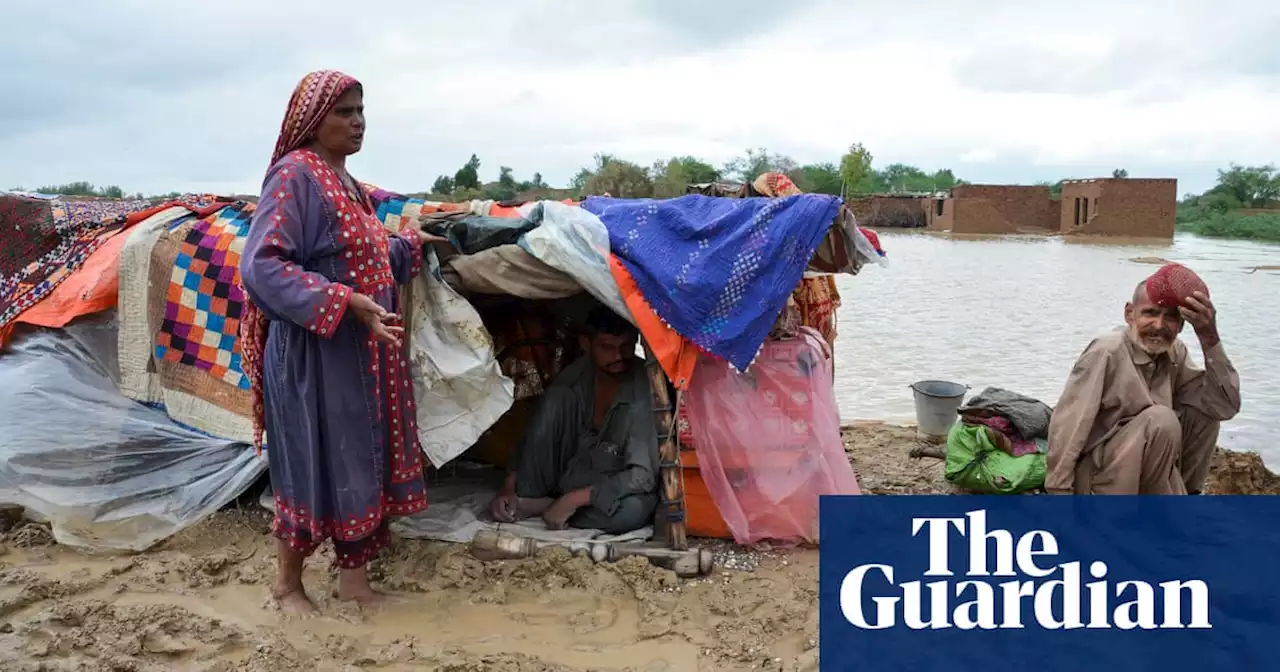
x: 178, y: 305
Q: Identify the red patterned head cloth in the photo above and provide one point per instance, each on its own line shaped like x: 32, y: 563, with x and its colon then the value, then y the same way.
x: 775, y: 185
x: 312, y: 100
x: 1173, y: 284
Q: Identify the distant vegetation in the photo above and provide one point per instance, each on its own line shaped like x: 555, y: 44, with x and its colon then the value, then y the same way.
x: 87, y: 189
x: 1244, y: 204
x: 668, y: 178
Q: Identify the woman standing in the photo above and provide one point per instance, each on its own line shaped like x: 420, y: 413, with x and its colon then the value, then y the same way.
x: 322, y: 346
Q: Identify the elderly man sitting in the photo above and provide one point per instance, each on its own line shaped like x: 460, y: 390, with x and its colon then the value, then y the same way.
x: 1136, y: 415
x: 589, y: 458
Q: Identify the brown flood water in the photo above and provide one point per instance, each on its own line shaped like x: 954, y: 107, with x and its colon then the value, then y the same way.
x: 1015, y: 312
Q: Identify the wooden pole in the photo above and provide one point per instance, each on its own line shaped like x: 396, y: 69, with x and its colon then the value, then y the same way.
x: 500, y: 545
x: 671, y: 514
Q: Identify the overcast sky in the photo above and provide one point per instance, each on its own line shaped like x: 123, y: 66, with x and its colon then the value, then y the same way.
x: 171, y: 95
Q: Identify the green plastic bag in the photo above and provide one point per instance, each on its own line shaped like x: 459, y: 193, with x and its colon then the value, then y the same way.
x: 975, y: 463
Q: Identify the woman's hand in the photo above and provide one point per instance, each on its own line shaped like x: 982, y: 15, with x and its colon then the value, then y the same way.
x: 376, y: 318
x: 416, y: 225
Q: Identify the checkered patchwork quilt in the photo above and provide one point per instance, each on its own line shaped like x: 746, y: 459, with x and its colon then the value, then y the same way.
x: 190, y: 300
x: 203, y: 300
x: 192, y: 315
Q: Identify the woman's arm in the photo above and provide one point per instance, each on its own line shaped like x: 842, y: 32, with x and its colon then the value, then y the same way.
x: 405, y: 249
x: 278, y: 243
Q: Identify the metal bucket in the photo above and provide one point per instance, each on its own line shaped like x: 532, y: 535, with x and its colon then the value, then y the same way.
x: 936, y: 404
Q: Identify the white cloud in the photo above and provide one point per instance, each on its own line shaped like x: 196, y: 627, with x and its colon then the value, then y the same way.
x: 982, y: 155
x: 158, y: 96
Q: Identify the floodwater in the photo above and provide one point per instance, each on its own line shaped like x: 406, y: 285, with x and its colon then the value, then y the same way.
x: 1015, y: 312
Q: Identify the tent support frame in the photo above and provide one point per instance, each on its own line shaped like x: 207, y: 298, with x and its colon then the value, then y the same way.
x: 669, y: 521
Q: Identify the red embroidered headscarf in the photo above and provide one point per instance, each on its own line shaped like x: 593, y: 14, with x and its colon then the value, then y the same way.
x: 312, y: 100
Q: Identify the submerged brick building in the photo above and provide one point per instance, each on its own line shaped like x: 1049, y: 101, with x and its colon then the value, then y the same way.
x: 1125, y: 206
x: 1107, y: 206
x: 988, y: 208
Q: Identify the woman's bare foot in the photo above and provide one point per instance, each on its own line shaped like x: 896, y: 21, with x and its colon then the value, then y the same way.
x: 367, y: 599
x: 293, y: 600
x: 353, y: 586
x: 288, y: 591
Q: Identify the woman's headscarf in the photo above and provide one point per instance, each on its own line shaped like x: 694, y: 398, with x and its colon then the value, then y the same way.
x: 312, y: 100
x: 775, y: 185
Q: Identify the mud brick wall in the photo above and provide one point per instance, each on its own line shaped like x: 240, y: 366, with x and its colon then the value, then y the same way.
x: 1140, y: 208
x: 884, y: 211
x: 1079, y: 203
x: 940, y: 213
x: 1002, y: 209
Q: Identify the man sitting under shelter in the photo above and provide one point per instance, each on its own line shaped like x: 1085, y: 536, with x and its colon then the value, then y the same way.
x: 589, y: 456
x: 1136, y: 415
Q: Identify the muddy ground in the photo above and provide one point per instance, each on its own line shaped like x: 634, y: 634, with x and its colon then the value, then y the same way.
x: 200, y: 600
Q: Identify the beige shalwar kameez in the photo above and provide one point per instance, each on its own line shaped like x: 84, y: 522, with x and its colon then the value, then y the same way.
x: 1132, y: 423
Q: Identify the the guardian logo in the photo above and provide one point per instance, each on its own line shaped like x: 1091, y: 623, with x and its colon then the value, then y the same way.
x: 1056, y: 602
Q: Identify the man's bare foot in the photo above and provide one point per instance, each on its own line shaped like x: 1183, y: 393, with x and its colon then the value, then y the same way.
x: 294, y: 601
x: 530, y: 507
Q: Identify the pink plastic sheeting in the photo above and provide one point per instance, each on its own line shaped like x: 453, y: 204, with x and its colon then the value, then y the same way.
x: 768, y: 441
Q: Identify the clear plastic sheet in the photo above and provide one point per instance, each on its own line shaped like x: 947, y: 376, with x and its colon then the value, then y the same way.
x: 576, y: 243
x: 768, y: 441
x: 106, y: 472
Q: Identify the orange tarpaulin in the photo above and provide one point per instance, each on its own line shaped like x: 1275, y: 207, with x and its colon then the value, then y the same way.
x: 94, y: 286
x: 674, y: 352
x: 513, y: 212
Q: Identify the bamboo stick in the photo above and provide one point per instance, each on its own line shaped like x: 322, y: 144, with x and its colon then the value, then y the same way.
x: 670, y: 519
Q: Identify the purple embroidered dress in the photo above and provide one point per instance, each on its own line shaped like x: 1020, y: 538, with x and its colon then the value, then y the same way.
x: 338, y: 406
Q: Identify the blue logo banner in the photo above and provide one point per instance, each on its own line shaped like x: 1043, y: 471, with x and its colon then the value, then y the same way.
x: 1049, y: 583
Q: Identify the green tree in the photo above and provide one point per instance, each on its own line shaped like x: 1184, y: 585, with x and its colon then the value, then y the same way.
x: 855, y: 166
x: 759, y: 161
x: 1252, y: 186
x: 443, y: 185
x: 697, y: 171
x: 616, y: 177
x: 468, y: 176
x: 821, y: 178
x: 672, y: 177
x: 1119, y: 173
x: 944, y: 180
x: 669, y: 178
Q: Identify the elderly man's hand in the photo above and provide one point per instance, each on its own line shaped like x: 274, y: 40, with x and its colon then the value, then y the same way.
x: 558, y: 514
x: 1201, y: 315
x: 503, y: 508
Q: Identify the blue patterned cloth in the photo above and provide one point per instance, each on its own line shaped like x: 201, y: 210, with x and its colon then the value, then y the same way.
x: 718, y: 270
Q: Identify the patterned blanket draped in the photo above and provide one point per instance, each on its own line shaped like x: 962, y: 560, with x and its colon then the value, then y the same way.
x: 45, y: 240
x: 718, y: 270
